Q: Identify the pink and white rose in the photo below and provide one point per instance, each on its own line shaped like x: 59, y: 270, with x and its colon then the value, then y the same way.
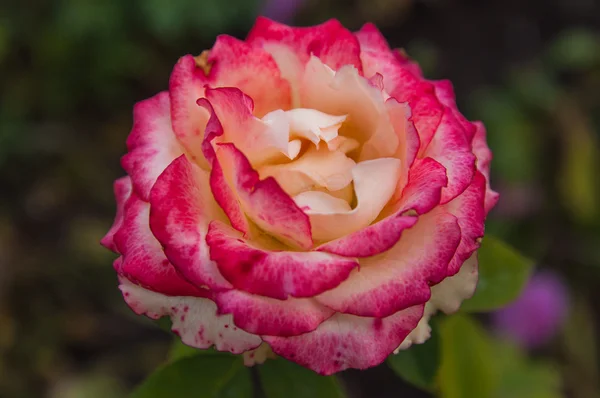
x: 305, y: 191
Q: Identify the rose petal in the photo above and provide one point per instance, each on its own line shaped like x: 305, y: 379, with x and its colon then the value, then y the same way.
x: 314, y: 125
x: 377, y: 57
x: 195, y: 319
x: 142, y: 257
x: 423, y: 191
x: 422, y: 332
x: 188, y: 120
x: 181, y: 208
x: 232, y: 121
x: 450, y: 147
x: 400, y: 277
x: 445, y: 93
x: 122, y: 189
x: 330, y: 41
x: 348, y: 93
x: 402, y: 80
x: 372, y: 194
x: 376, y: 53
x: 267, y: 316
x: 276, y: 274
x: 321, y: 167
x: 258, y: 355
x: 484, y: 158
x: 152, y: 144
x: 347, y: 341
x: 235, y: 63
x: 449, y: 294
x: 371, y: 240
x: 408, y: 138
x: 468, y: 208
x: 263, y: 201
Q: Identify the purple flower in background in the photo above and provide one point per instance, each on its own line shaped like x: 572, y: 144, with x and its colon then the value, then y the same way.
x: 535, y: 317
x: 281, y: 10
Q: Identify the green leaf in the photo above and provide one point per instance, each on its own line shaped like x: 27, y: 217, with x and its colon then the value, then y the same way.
x: 475, y: 365
x: 164, y: 323
x: 467, y: 367
x: 281, y: 378
x: 419, y: 364
x: 200, y: 376
x: 520, y: 377
x: 503, y: 273
x: 179, y: 350
x: 575, y: 49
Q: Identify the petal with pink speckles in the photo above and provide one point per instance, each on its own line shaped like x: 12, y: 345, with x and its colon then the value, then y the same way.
x: 347, y: 341
x: 194, y: 319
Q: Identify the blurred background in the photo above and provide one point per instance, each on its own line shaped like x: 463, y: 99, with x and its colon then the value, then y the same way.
x: 71, y: 70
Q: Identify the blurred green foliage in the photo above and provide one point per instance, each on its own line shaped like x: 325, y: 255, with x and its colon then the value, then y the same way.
x: 502, y: 276
x: 202, y: 376
x: 420, y: 364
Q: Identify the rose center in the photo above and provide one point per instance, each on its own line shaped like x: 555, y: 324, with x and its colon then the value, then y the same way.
x: 317, y: 156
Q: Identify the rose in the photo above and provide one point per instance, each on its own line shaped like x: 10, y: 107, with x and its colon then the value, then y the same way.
x: 304, y: 191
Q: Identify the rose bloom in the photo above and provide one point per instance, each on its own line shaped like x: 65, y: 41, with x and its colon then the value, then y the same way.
x: 305, y: 192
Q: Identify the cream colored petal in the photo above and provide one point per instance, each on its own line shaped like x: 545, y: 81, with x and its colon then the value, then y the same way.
x: 374, y: 184
x: 314, y: 125
x: 316, y: 168
x: 348, y: 93
x: 446, y: 296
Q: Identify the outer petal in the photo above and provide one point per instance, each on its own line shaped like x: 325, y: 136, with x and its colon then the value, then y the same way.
x: 402, y: 80
x: 152, y: 143
x: 422, y: 332
x: 347, y: 341
x: 445, y: 93
x: 258, y: 355
x: 143, y: 260
x: 400, y: 277
x: 195, y: 319
x: 186, y: 85
x: 276, y: 274
x: 122, y: 189
x: 372, y: 42
x: 484, y: 158
x: 263, y: 201
x: 451, y: 148
x: 267, y: 316
x: 449, y: 294
x: 234, y: 63
x: 468, y: 208
x: 330, y: 41
x: 182, y: 207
